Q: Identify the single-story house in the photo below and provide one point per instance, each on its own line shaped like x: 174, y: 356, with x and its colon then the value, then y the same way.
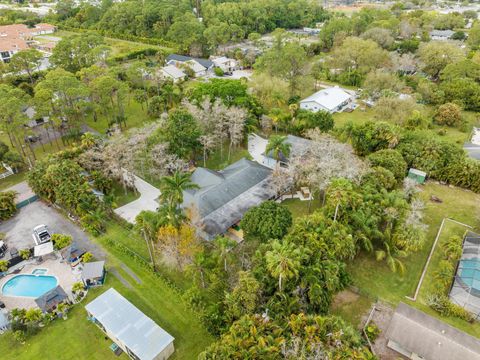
x: 50, y: 300
x: 226, y: 64
x: 298, y: 147
x: 173, y: 73
x: 473, y: 147
x: 417, y: 335
x: 334, y: 99
x: 134, y: 332
x: 93, y: 273
x: 224, y: 196
x: 441, y: 35
x: 33, y: 119
x: 199, y: 66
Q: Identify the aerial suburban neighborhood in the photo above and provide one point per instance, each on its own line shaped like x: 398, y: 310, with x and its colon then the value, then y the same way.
x: 237, y: 179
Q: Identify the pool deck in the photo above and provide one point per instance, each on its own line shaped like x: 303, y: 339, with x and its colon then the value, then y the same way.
x: 61, y: 270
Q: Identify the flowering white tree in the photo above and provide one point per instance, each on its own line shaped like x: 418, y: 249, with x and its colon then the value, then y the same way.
x: 324, y: 159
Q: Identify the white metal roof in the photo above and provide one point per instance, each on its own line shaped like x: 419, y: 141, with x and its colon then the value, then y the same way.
x: 195, y: 66
x: 417, y: 172
x: 43, y: 249
x: 173, y: 72
x: 329, y: 98
x: 128, y: 324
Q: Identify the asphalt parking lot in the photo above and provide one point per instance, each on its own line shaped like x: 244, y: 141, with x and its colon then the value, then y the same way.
x: 18, y: 229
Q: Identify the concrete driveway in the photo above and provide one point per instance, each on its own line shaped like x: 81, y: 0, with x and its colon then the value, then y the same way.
x: 256, y: 147
x: 18, y: 229
x: 146, y: 201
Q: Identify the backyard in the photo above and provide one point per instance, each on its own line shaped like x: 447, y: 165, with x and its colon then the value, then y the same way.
x: 146, y: 290
x: 376, y: 279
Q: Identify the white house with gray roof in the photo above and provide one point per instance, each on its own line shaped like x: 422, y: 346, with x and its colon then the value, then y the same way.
x: 134, y: 332
x: 224, y: 196
x: 417, y: 335
x: 334, y: 99
x: 199, y: 66
x: 173, y: 73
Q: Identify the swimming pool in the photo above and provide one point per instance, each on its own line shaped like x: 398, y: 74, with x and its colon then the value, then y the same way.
x: 39, y: 271
x: 29, y: 285
x: 469, y: 271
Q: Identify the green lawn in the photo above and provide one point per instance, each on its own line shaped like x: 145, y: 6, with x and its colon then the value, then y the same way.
x: 135, y: 114
x: 78, y: 338
x: 12, y: 180
x: 351, y: 307
x: 376, y: 279
x: 357, y: 116
x: 218, y: 160
x: 122, y: 197
x: 301, y: 208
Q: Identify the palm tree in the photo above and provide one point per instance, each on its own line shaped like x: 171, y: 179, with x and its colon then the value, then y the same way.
x: 283, y: 261
x: 278, y: 147
x: 172, y: 188
x: 224, y: 245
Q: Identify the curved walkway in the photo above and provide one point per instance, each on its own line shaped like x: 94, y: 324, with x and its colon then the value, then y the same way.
x: 146, y: 201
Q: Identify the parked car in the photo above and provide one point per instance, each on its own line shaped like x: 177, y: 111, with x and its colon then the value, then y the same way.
x: 3, y: 249
x: 41, y: 234
x: 32, y: 138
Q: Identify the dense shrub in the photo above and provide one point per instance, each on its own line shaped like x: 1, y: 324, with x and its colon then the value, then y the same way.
x: 7, y: 204
x: 391, y: 160
x: 449, y: 114
x: 269, y: 220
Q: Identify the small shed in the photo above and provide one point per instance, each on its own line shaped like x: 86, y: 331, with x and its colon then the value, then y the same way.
x: 417, y: 175
x: 93, y: 273
x: 50, y: 300
x: 43, y: 249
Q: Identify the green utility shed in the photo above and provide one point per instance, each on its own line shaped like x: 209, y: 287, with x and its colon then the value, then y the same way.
x: 417, y: 175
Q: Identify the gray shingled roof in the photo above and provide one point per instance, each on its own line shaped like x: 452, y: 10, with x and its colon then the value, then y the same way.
x: 298, y: 147
x: 430, y: 338
x: 50, y: 299
x: 132, y: 327
x: 205, y: 62
x: 224, y: 196
x: 93, y: 270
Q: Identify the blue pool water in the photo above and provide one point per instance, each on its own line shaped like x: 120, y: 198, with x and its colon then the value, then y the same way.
x: 29, y: 285
x: 470, y: 272
x: 39, y: 271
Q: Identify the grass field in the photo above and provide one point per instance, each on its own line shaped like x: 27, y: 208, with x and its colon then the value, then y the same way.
x: 80, y: 339
x: 301, y: 208
x: 12, y: 180
x: 135, y: 114
x: 218, y: 160
x: 377, y: 280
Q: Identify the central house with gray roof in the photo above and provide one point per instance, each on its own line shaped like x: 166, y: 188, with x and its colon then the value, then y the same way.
x: 224, y: 196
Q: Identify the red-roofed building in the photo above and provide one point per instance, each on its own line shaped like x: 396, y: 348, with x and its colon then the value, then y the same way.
x: 17, y: 37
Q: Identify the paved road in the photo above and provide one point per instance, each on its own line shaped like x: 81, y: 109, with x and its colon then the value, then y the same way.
x: 147, y: 201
